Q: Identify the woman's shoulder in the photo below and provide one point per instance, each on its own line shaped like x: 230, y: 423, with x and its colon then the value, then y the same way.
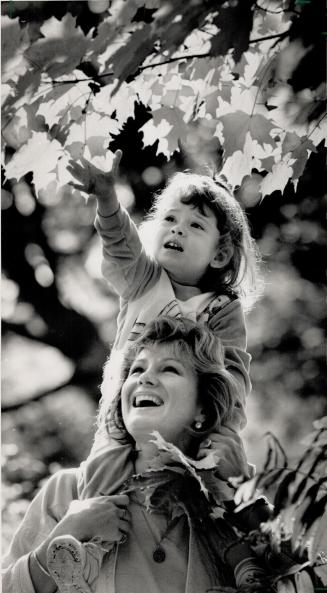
x: 68, y: 475
x: 60, y: 489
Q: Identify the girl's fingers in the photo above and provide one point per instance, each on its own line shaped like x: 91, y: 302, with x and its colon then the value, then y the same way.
x: 124, y: 514
x: 79, y: 176
x: 227, y: 430
x: 203, y: 453
x: 77, y: 186
x: 76, y: 169
x: 115, y: 163
x: 232, y: 439
x: 86, y: 164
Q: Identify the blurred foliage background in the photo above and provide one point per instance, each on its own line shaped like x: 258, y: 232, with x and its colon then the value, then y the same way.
x: 59, y: 318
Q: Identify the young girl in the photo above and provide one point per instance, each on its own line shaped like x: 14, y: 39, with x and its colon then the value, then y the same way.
x: 194, y: 256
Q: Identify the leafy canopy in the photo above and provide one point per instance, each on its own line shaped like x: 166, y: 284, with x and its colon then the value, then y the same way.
x: 237, y: 72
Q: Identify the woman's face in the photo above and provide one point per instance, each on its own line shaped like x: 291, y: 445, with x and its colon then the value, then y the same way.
x: 160, y: 393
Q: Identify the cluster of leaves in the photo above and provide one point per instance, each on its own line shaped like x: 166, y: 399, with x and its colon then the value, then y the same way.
x: 215, y: 76
x: 174, y: 478
x: 297, y: 529
x: 292, y: 541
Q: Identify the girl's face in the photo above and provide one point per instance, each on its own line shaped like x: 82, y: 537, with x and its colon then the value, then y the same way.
x: 160, y: 393
x: 186, y: 241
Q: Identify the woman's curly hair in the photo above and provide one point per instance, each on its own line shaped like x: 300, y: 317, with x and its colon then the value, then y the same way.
x: 203, y: 350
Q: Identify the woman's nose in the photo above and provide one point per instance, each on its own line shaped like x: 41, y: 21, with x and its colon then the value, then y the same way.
x: 147, y: 378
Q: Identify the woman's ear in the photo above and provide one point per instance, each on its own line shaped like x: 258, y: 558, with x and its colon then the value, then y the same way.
x: 223, y: 255
x: 199, y: 420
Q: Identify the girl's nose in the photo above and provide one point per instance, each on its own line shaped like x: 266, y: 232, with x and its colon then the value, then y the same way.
x: 178, y: 230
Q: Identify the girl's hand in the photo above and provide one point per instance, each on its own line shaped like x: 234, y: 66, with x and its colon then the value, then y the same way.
x: 92, y: 180
x: 230, y: 449
x: 104, y: 517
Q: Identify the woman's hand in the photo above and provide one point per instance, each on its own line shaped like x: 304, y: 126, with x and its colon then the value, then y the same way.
x: 230, y: 449
x: 103, y: 517
x: 92, y: 180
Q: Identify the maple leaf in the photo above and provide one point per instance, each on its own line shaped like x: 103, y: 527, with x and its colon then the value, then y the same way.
x: 39, y: 155
x: 253, y: 61
x: 242, y: 162
x: 236, y: 126
x: 235, y: 25
x: 16, y: 131
x: 278, y: 178
x: 14, y: 41
x: 122, y: 102
x: 300, y: 148
x: 168, y: 126
x: 59, y: 100
x: 126, y: 60
x: 95, y: 133
x: 190, y: 465
x: 25, y: 91
x: 237, y: 166
x: 61, y: 49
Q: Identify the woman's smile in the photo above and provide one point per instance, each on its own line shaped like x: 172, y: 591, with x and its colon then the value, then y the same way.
x: 143, y: 399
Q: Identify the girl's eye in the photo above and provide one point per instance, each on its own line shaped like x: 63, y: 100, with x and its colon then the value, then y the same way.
x: 169, y: 218
x: 171, y: 369
x: 135, y: 370
x: 196, y: 225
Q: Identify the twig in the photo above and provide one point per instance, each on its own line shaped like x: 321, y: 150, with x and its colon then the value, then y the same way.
x: 257, y: 5
x: 168, y: 61
x: 275, y: 36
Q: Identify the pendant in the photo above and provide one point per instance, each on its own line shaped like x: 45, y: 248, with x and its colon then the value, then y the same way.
x: 159, y: 554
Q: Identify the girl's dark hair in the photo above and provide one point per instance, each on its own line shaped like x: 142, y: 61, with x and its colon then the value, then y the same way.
x: 203, y: 350
x: 241, y: 275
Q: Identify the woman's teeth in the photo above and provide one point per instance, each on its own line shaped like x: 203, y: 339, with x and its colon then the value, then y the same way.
x: 147, y: 401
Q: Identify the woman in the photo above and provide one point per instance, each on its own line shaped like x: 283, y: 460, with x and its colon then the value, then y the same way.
x: 159, y: 537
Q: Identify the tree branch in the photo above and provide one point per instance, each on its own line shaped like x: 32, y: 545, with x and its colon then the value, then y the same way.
x: 269, y: 11
x: 168, y: 61
x: 268, y: 37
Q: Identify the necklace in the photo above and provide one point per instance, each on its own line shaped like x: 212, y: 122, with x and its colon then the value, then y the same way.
x: 159, y: 553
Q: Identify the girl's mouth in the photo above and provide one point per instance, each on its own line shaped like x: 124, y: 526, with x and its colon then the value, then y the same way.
x: 173, y: 245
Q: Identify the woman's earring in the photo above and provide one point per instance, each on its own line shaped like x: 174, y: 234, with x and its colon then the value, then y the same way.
x: 198, y: 425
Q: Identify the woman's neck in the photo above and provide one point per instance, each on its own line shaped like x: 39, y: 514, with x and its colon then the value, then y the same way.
x: 146, y: 451
x: 184, y: 292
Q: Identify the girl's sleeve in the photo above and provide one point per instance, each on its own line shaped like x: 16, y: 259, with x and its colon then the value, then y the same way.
x: 44, y: 512
x: 126, y: 266
x: 229, y: 324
